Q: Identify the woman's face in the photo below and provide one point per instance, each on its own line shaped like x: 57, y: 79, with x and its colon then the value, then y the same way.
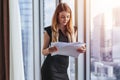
x: 63, y: 18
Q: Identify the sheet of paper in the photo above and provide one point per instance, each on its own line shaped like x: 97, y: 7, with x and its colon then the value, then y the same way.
x: 68, y: 49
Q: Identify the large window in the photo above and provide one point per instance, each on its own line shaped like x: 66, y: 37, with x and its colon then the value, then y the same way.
x: 29, y: 13
x: 104, y: 39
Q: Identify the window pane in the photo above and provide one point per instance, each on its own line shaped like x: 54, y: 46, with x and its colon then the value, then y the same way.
x: 105, y: 41
x: 49, y: 8
x: 27, y: 37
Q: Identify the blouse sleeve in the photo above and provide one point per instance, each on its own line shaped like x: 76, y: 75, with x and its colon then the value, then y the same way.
x: 48, y: 30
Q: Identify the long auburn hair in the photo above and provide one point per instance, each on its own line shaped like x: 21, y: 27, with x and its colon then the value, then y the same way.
x: 69, y: 27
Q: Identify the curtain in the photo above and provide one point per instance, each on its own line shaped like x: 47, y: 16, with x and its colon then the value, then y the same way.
x: 4, y: 40
x: 16, y: 57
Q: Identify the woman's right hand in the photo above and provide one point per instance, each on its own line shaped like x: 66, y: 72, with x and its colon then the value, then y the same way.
x: 52, y: 49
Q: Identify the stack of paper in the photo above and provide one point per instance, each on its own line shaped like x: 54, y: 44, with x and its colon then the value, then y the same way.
x: 67, y: 49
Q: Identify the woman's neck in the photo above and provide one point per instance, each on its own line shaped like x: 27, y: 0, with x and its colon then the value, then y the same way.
x: 62, y: 28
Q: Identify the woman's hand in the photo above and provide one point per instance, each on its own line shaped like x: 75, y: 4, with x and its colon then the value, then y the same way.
x: 81, y: 49
x: 52, y: 49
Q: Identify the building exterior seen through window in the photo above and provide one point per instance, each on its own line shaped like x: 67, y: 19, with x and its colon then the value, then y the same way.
x: 105, y: 40
x: 27, y: 37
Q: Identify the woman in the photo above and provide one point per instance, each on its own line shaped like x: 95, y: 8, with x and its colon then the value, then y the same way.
x: 55, y: 67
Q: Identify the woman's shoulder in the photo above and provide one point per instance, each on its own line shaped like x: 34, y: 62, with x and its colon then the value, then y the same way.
x: 47, y: 28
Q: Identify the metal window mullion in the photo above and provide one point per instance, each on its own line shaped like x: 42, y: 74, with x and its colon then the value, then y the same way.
x: 88, y: 40
x: 76, y: 23
x: 41, y: 29
x: 79, y: 22
x: 36, y: 40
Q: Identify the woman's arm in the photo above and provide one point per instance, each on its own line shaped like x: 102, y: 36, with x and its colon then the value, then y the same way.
x: 46, y: 49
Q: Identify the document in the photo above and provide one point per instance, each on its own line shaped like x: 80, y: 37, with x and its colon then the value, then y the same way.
x: 67, y: 49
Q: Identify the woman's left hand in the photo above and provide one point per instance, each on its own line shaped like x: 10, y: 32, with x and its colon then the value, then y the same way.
x: 81, y: 49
